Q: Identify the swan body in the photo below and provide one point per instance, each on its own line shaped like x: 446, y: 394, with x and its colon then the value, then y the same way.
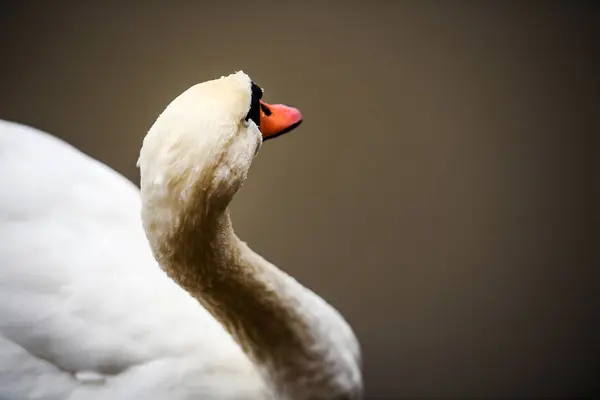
x: 80, y: 292
x: 101, y: 296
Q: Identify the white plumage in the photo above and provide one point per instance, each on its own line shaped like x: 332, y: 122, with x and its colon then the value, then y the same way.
x: 85, y: 310
x: 80, y: 291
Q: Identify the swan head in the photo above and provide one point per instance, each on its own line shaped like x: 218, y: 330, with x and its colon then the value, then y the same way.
x: 205, y: 140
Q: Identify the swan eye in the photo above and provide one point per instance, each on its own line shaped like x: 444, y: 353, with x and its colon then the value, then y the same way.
x: 254, y: 112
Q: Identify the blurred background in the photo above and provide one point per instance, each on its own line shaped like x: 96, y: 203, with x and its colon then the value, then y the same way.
x: 439, y: 192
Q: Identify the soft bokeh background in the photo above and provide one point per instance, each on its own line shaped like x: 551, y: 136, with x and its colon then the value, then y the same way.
x: 438, y: 193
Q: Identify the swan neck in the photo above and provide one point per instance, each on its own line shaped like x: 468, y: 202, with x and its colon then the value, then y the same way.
x: 303, y: 347
x: 299, y: 342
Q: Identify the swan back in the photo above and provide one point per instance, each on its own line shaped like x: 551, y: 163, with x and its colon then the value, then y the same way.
x: 85, y: 311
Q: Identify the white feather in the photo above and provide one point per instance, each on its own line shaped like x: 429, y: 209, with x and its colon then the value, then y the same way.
x: 85, y: 311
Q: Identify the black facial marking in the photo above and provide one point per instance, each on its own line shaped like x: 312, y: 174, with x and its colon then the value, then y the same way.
x: 254, y: 112
x: 265, y: 109
x: 256, y: 91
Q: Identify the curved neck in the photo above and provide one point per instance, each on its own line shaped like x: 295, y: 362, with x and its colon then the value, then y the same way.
x: 302, y: 345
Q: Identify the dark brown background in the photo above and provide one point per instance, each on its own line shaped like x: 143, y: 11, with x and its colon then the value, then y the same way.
x: 438, y: 194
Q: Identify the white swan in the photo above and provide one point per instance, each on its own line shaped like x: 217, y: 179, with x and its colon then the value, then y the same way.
x: 85, y: 311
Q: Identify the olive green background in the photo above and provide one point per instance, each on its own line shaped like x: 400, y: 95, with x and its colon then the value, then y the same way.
x: 439, y: 192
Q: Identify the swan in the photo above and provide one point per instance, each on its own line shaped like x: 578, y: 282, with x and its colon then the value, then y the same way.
x: 110, y: 291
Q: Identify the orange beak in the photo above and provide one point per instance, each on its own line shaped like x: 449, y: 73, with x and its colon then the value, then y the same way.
x: 277, y: 119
